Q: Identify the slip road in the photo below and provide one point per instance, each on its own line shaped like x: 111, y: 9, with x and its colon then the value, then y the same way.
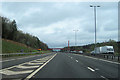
x: 60, y: 65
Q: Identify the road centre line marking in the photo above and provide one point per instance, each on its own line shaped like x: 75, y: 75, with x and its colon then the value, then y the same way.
x: 26, y: 67
x: 101, y: 59
x: 16, y: 65
x: 29, y: 63
x: 91, y: 69
x: 9, y: 72
x: 32, y: 74
x: 41, y: 60
x: 21, y: 58
x: 37, y: 61
x: 45, y: 59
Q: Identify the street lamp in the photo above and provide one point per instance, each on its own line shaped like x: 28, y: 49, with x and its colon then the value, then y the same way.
x: 75, y: 36
x: 95, y: 22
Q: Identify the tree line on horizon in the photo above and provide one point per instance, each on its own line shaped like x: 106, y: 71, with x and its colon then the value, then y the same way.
x: 10, y: 31
x: 90, y: 47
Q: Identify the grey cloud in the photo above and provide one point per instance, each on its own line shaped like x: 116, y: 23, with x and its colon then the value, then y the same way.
x: 49, y: 16
x: 54, y: 23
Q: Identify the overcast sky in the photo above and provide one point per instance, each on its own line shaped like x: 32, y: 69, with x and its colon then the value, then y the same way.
x: 54, y: 22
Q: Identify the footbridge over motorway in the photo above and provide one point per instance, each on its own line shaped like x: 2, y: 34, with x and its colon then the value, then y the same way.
x: 55, y: 49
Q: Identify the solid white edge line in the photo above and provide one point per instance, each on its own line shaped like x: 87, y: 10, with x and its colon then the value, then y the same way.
x: 91, y: 69
x: 29, y: 76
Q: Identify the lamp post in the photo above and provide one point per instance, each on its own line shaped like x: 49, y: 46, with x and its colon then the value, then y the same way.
x: 75, y: 37
x: 95, y: 22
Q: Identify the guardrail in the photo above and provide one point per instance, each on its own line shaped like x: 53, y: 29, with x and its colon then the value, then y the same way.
x: 104, y: 56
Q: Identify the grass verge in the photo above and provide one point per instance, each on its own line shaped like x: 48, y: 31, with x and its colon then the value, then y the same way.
x: 9, y: 46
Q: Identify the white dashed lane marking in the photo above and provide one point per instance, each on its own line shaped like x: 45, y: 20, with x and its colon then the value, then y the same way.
x: 91, y: 69
x: 76, y: 60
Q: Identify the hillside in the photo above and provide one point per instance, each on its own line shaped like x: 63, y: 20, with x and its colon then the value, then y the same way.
x: 10, y: 31
x: 9, y: 46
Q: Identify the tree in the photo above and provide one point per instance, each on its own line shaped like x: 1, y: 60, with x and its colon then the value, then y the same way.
x: 10, y: 31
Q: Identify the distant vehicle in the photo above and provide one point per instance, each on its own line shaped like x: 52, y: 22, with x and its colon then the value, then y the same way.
x: 80, y: 52
x: 107, y: 49
x: 92, y: 52
x: 73, y: 51
x: 98, y: 50
x: 104, y: 50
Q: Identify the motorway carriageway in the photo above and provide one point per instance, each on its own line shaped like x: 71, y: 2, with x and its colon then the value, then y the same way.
x: 60, y: 65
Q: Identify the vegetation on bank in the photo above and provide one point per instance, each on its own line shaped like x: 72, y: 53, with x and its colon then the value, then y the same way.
x: 10, y: 32
x: 9, y: 46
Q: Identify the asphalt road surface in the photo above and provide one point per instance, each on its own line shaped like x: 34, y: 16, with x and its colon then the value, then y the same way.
x: 60, y: 66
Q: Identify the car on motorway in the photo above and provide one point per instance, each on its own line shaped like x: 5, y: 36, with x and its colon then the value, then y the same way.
x: 81, y: 52
x: 92, y: 52
x: 73, y: 51
x: 107, y: 49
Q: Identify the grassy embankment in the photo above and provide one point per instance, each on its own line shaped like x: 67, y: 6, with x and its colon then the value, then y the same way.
x: 9, y: 46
